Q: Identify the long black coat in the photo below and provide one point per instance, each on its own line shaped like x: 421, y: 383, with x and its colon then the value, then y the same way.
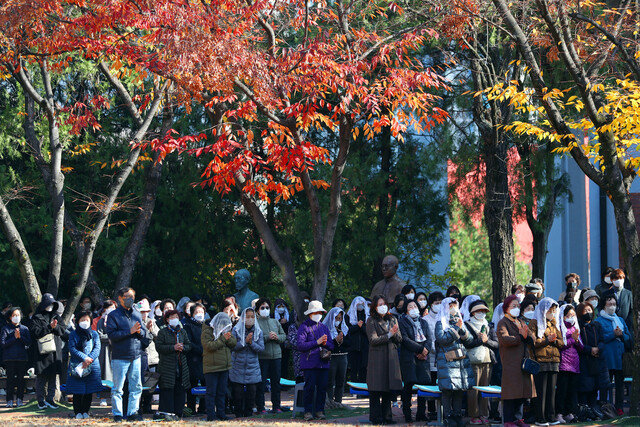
x: 170, y: 358
x: 592, y: 336
x: 194, y: 357
x: 414, y: 370
x: 48, y: 364
x: 357, y: 339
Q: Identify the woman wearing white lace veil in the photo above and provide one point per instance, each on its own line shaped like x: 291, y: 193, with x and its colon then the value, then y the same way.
x: 356, y: 321
x: 338, y: 329
x: 217, y: 343
x: 466, y: 303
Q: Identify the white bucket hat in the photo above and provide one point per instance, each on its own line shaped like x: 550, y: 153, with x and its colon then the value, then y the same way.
x: 143, y: 305
x: 314, y: 307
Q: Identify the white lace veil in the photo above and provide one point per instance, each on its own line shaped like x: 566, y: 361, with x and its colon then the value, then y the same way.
x: 353, y: 311
x: 329, y: 322
x: 221, y: 323
x: 241, y: 330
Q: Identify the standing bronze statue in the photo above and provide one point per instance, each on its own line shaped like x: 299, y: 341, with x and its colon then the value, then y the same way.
x: 391, y: 285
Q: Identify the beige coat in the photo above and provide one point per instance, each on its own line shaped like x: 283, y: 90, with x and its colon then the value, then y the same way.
x: 516, y: 384
x: 383, y: 371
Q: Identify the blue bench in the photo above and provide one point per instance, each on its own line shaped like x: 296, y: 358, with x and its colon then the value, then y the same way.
x: 432, y: 392
x: 202, y: 390
x: 359, y: 389
x: 491, y: 392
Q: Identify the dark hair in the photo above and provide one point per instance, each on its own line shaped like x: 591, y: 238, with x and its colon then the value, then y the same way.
x: 527, y: 301
x: 170, y: 313
x: 396, y: 302
x: 606, y: 296
x: 261, y: 301
x: 337, y: 300
x: 574, y: 276
x: 435, y: 296
x: 192, y: 309
x: 453, y: 290
x: 82, y: 314
x: 567, y: 308
x: 123, y: 291
x: 374, y: 305
x: 407, y: 288
x: 12, y: 310
x: 226, y: 303
x: 581, y: 308
x: 606, y: 272
x: 165, y: 301
x: 106, y: 304
x: 516, y: 288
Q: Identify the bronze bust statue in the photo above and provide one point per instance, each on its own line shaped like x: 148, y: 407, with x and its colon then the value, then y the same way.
x: 391, y: 285
x: 243, y: 294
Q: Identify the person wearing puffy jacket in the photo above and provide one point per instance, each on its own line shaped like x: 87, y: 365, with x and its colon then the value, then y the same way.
x: 217, y: 343
x: 15, y: 339
x: 567, y: 392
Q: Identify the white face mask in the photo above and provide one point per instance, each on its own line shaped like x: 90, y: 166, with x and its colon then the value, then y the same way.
x: 264, y: 312
x: 337, y: 323
x: 316, y: 317
x: 84, y: 324
x: 607, y: 280
x: 199, y: 317
x: 249, y: 323
x: 173, y: 322
x: 593, y: 302
x: 86, y: 306
x: 480, y: 316
x: 618, y: 283
x: 436, y: 308
x: 422, y: 303
x: 414, y: 313
x: 15, y: 319
x: 359, y: 307
x: 520, y: 297
x: 158, y: 312
x: 382, y: 310
x: 515, y: 312
x: 453, y: 310
x: 570, y: 320
x: 411, y: 296
x: 550, y: 315
x: 610, y: 310
x: 529, y: 314
x: 49, y: 309
x: 281, y: 310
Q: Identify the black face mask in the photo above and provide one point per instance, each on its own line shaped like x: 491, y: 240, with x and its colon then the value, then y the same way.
x: 587, y: 317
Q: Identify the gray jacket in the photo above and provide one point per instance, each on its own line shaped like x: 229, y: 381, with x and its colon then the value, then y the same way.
x: 245, y: 366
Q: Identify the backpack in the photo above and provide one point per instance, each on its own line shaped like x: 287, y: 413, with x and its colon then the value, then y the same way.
x: 609, y: 411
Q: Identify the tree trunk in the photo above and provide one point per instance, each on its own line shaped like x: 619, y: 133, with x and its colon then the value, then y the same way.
x: 21, y: 256
x: 539, y: 254
x: 498, y: 217
x: 383, y: 218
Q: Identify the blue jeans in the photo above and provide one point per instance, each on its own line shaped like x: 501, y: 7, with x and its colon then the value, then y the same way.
x: 216, y: 394
x: 315, y: 380
x: 130, y: 370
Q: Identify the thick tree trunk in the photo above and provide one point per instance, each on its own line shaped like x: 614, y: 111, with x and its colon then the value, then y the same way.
x: 539, y: 254
x: 498, y: 217
x: 21, y: 256
x: 383, y: 217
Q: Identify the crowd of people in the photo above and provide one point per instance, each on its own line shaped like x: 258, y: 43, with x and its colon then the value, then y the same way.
x: 556, y: 361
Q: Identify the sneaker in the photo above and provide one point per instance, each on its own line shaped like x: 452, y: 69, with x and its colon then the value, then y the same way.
x: 117, y: 419
x: 135, y: 417
x: 103, y: 402
x: 41, y: 405
x: 554, y: 423
x: 262, y: 412
x: 542, y: 423
x: 485, y: 420
x: 9, y: 403
x: 19, y: 403
x: 275, y: 411
x: 51, y: 404
x: 569, y: 418
x: 521, y: 423
x: 85, y: 415
x: 308, y: 416
x: 79, y: 417
x: 320, y: 415
x: 476, y: 421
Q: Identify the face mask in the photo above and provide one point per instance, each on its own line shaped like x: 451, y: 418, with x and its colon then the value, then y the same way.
x: 515, y: 312
x: 422, y: 303
x: 550, y: 315
x: 570, y: 320
x: 593, y: 302
x: 382, y: 310
x: 411, y: 296
x: 529, y: 314
x: 199, y: 317
x: 587, y: 317
x: 15, y: 319
x: 572, y: 284
x: 359, y: 307
x: 453, y: 310
x: 618, y: 283
x: 128, y: 302
x: 264, y: 312
x: 49, y: 309
x: 158, y: 312
x: 480, y: 316
x: 414, y: 313
x: 306, y: 301
x: 84, y: 324
x: 86, y: 306
x: 610, y: 310
x: 607, y: 280
x: 520, y: 297
x: 337, y: 323
x: 316, y: 317
x: 435, y: 308
x: 173, y: 322
x: 281, y: 310
x: 249, y: 323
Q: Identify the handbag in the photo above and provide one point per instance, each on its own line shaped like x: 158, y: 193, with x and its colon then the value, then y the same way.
x: 46, y: 344
x: 529, y: 366
x: 453, y: 355
x: 325, y: 353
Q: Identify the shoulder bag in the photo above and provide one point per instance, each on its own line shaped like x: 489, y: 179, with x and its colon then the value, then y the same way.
x: 47, y: 344
x: 529, y: 365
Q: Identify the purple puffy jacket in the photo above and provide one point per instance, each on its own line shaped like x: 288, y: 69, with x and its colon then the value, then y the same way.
x: 569, y: 358
x: 307, y: 344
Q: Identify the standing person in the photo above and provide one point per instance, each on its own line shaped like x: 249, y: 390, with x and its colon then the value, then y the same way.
x: 282, y: 315
x: 338, y: 363
x: 129, y: 337
x: 454, y: 367
x: 356, y: 320
x: 15, y: 339
x: 547, y: 340
x: 46, y: 326
x: 422, y: 300
x: 624, y: 297
x: 615, y: 336
x: 166, y: 305
x: 245, y: 365
x: 567, y: 393
x: 528, y: 309
x: 292, y: 343
x: 481, y: 352
x: 417, y: 342
x: 572, y: 283
x: 514, y: 342
x: 105, y: 346
x: 193, y: 327
x: 217, y: 343
x: 150, y: 357
x: 594, y: 373
x: 606, y: 281
x: 271, y: 357
x: 173, y: 345
x: 434, y: 303
x: 84, y: 377
x: 313, y: 342
x: 409, y: 292
x: 593, y: 299
x: 384, y: 379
